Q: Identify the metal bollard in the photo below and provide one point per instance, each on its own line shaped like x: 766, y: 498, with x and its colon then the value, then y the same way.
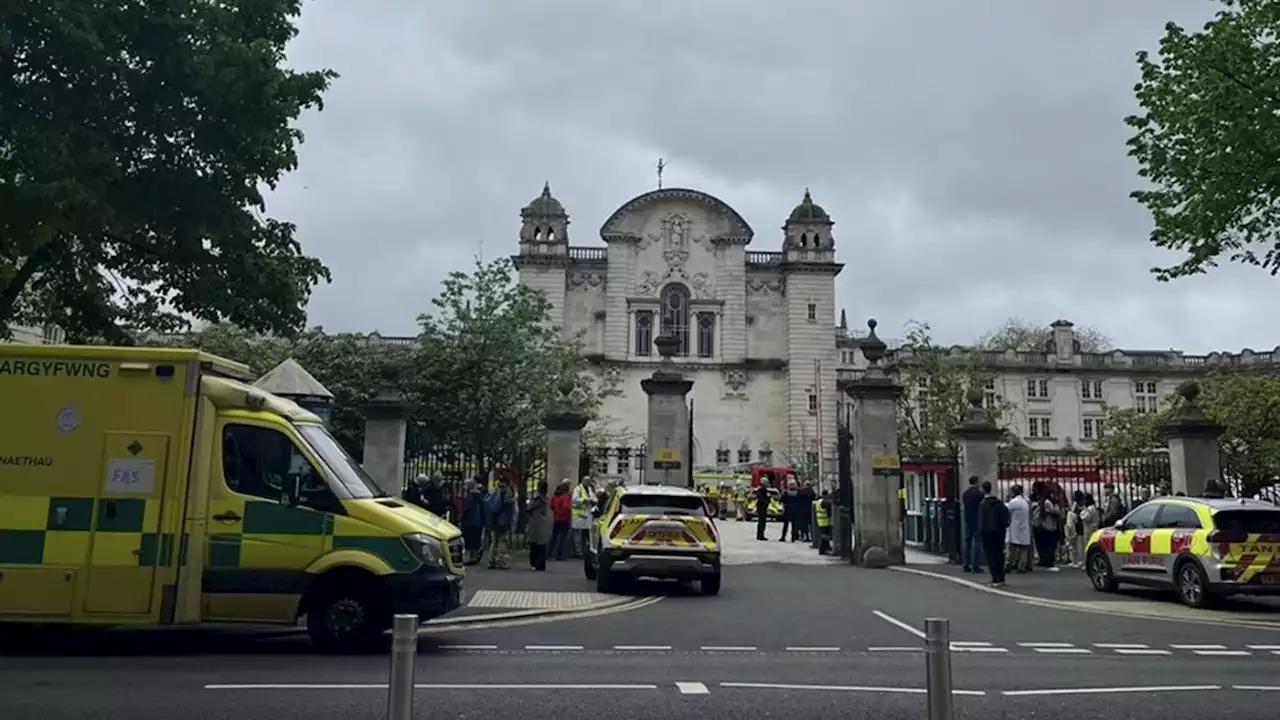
x: 937, y: 641
x: 404, y: 652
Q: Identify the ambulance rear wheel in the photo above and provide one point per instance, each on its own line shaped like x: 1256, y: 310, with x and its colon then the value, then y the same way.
x: 346, y: 619
x: 588, y: 567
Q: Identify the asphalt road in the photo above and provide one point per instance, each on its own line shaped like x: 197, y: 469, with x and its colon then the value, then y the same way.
x: 569, y: 685
x: 780, y: 638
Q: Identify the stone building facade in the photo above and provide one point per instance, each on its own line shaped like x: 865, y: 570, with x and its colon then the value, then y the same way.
x: 1058, y: 395
x: 757, y: 329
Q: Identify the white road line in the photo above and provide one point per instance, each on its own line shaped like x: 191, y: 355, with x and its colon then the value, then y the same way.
x: 433, y: 686
x: 842, y: 688
x: 1223, y: 653
x: 895, y: 649
x: 468, y: 647
x: 1275, y: 652
x: 970, y: 644
x: 1064, y: 651
x: 811, y: 649
x: 552, y: 647
x: 1262, y: 688
x: 1198, y: 647
x: 895, y: 621
x: 1108, y: 690
x: 1121, y: 646
x: 642, y: 647
x: 728, y: 648
x: 979, y: 649
x: 1263, y: 647
x: 692, y: 688
x: 1141, y: 651
x: 1045, y: 645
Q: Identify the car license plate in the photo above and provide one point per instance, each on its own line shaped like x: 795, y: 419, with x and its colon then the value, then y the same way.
x: 666, y: 536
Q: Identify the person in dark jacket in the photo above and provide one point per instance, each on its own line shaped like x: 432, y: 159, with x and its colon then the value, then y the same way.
x: 473, y: 521
x: 433, y: 495
x: 791, y: 510
x: 416, y: 492
x: 972, y: 549
x: 805, y: 512
x: 993, y: 523
x: 762, y: 508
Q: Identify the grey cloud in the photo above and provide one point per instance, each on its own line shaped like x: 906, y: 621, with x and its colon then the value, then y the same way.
x: 971, y: 153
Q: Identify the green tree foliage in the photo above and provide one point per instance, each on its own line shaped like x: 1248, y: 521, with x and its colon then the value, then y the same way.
x: 936, y: 381
x: 135, y: 140
x: 1207, y: 139
x: 1246, y: 405
x: 1024, y: 336
x: 490, y: 365
x: 352, y: 369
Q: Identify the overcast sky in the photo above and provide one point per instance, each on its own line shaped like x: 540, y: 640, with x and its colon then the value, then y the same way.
x: 971, y: 152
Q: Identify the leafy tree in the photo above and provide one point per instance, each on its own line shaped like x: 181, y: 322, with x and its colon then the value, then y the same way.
x: 937, y: 380
x: 1022, y: 335
x: 490, y: 365
x: 135, y: 140
x: 1207, y: 139
x: 1246, y: 405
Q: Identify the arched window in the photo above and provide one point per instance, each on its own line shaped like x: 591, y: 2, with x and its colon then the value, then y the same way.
x: 675, y: 316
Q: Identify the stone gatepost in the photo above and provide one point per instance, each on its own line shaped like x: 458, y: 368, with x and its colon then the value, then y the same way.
x: 979, y: 440
x: 564, y: 439
x: 385, y: 430
x: 1193, y: 444
x: 877, y: 469
x: 668, y: 419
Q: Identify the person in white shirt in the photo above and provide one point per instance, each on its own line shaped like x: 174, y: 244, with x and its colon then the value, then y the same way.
x: 1019, y: 534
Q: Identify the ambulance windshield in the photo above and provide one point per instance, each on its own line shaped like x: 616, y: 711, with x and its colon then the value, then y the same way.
x: 349, y: 472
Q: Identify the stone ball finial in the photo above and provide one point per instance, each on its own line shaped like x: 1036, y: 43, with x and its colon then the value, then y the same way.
x: 1190, y: 391
x: 975, y: 397
x: 667, y: 345
x: 873, y: 348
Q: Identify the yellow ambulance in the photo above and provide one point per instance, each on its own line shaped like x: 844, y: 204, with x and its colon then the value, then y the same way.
x: 155, y: 486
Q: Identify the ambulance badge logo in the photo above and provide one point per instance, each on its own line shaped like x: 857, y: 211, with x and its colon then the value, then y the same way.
x: 68, y: 419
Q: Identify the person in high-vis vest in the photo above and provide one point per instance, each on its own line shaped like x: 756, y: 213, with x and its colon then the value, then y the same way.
x: 822, y: 518
x: 583, y: 496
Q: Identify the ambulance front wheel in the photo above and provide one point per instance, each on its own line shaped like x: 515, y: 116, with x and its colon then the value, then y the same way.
x: 711, y: 584
x: 346, y: 619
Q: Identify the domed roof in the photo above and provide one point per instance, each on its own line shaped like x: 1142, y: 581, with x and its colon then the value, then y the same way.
x: 545, y: 205
x: 809, y: 212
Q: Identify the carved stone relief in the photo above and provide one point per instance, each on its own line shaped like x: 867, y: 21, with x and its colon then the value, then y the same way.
x: 587, y: 278
x: 611, y: 382
x: 675, y: 234
x: 764, y: 285
x: 735, y: 383
x: 649, y: 282
x: 701, y: 285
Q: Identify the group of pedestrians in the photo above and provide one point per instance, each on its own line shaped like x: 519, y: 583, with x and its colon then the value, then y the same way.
x: 555, y: 524
x: 797, y: 508
x: 1022, y: 533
